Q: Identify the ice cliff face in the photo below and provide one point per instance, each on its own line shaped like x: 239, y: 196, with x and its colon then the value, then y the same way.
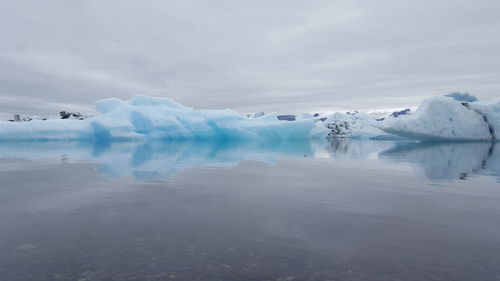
x: 144, y: 117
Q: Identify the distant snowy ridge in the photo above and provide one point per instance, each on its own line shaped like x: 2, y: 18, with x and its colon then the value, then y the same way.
x: 144, y: 117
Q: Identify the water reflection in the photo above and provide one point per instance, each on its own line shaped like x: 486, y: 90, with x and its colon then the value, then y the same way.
x: 157, y: 160
x: 435, y: 161
x: 160, y: 160
x: 356, y: 149
x: 447, y: 161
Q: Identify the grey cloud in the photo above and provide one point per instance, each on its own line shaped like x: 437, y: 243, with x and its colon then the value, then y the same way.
x: 284, y: 56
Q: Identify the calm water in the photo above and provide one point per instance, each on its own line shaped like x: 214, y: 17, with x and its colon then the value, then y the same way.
x: 348, y: 210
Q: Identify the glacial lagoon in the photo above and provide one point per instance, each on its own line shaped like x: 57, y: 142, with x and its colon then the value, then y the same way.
x: 301, y: 210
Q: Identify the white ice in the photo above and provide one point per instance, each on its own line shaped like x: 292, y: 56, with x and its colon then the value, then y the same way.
x: 444, y: 118
x: 358, y: 125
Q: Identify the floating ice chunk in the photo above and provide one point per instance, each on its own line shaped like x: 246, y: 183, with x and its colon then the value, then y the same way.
x: 353, y: 125
x: 287, y: 117
x: 444, y: 118
x: 144, y: 117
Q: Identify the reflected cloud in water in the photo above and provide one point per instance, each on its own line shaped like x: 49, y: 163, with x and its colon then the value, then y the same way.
x: 161, y: 160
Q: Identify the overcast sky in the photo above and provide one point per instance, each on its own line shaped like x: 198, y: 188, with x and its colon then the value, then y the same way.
x: 282, y: 56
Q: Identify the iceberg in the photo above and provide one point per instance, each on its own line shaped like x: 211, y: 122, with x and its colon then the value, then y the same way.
x: 357, y: 125
x: 448, y: 118
x: 454, y: 117
x: 149, y: 118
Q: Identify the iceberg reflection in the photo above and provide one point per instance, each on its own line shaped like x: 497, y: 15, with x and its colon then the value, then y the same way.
x: 447, y: 161
x: 160, y: 160
x: 156, y: 160
x: 433, y: 160
x: 345, y: 148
